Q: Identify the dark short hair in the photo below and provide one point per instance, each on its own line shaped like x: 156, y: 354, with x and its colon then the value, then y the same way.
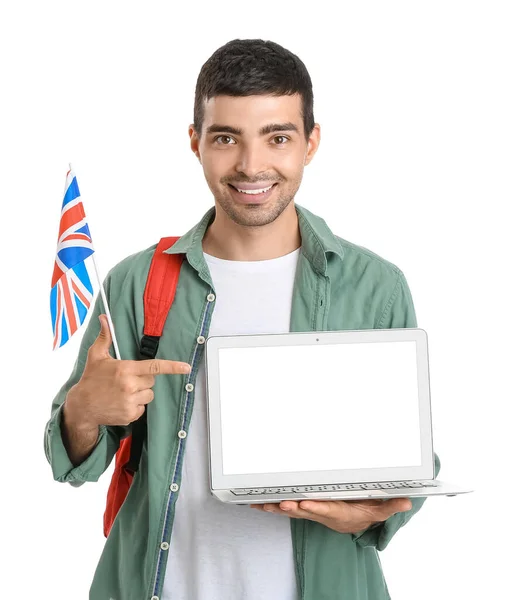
x: 249, y: 67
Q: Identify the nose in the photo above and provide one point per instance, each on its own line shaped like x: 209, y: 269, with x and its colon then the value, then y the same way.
x: 251, y: 160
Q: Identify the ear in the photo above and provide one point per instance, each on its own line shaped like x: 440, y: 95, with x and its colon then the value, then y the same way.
x: 195, y: 142
x: 313, y: 143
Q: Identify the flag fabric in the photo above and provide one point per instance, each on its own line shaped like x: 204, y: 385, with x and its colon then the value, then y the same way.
x: 71, y: 289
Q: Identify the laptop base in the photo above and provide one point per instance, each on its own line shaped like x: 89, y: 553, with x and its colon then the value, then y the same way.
x: 434, y: 488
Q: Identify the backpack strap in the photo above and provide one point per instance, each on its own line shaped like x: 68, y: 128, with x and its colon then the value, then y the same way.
x: 159, y: 294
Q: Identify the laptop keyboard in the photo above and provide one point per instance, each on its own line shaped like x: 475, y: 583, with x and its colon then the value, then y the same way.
x: 388, y: 485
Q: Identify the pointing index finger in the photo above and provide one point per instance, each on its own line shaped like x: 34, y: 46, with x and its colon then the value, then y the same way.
x: 159, y: 366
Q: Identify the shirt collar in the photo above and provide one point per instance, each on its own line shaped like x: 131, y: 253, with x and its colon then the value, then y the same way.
x: 316, y: 240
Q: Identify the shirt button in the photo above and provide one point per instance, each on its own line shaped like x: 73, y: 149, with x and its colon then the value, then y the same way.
x: 154, y: 598
x: 200, y: 339
x: 173, y: 487
x: 211, y: 297
x: 182, y: 434
x: 190, y: 387
x: 164, y: 545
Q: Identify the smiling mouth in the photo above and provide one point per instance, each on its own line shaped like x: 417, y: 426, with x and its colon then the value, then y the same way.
x: 257, y: 192
x: 253, y: 197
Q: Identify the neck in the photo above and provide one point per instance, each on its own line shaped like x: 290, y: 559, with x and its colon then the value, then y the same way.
x: 227, y: 240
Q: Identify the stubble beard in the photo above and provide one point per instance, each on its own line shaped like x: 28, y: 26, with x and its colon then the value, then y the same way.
x: 251, y: 215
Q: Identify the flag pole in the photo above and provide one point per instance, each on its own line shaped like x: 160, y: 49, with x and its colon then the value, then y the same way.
x: 105, y: 303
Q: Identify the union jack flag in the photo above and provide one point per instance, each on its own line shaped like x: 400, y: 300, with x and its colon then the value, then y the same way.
x: 71, y: 289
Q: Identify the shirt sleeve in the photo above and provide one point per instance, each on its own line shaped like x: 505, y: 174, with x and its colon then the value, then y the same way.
x: 380, y: 535
x: 398, y: 312
x: 94, y: 465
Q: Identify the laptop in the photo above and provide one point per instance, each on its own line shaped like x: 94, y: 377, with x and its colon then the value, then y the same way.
x: 321, y: 415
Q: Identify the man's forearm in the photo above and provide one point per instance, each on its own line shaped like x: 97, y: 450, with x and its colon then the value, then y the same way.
x: 79, y: 437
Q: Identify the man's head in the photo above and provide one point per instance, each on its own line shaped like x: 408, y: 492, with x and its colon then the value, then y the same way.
x: 245, y: 87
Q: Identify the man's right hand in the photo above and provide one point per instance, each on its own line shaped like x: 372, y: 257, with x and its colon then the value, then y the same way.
x: 113, y: 391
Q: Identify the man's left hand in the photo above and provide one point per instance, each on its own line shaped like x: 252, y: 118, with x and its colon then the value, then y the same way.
x: 344, y: 516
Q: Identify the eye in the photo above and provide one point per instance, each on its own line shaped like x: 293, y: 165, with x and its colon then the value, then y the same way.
x: 280, y: 136
x: 222, y: 136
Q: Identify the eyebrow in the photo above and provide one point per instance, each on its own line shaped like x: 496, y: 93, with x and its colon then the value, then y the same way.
x: 271, y: 128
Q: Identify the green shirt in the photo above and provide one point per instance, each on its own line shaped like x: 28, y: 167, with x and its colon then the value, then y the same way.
x: 338, y: 285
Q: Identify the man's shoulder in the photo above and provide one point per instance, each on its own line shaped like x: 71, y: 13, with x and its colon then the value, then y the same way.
x: 355, y: 260
x: 132, y: 267
x: 377, y: 292
x: 359, y: 260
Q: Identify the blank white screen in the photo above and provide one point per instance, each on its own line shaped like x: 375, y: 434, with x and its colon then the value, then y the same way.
x: 319, y: 407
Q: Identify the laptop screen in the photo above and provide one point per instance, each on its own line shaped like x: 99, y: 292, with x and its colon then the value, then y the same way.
x: 319, y: 407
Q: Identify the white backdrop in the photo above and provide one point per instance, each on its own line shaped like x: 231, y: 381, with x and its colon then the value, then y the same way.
x: 418, y: 162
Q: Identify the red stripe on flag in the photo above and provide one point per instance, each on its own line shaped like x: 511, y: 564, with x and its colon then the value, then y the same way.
x: 70, y: 217
x: 58, y: 318
x: 79, y: 293
x: 56, y: 275
x: 69, y: 307
x: 77, y: 236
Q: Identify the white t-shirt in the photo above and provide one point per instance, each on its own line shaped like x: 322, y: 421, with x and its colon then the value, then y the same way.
x: 222, y: 551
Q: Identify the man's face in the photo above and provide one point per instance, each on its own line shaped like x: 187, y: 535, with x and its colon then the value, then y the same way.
x: 233, y: 150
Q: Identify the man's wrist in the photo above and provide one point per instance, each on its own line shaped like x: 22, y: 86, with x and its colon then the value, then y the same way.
x: 74, y: 416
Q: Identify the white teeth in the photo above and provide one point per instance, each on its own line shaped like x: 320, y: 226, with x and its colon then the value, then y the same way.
x: 253, y: 192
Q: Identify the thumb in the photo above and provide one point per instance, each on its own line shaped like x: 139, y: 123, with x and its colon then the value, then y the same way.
x: 103, y: 341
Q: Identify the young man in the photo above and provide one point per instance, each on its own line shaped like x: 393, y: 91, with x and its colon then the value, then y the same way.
x: 255, y: 263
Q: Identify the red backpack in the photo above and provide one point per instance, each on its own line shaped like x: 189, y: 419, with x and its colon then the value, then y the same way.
x: 160, y: 290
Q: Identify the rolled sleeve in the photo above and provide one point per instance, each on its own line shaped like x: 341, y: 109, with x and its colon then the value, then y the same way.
x: 94, y: 465
x: 380, y: 535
